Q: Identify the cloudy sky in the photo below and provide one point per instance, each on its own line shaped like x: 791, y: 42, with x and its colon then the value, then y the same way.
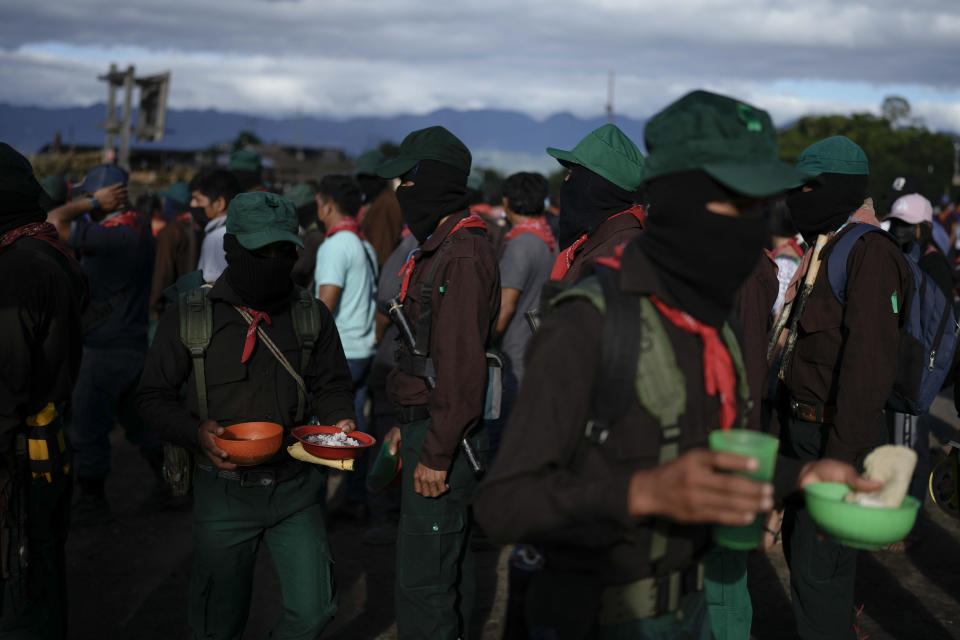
x: 384, y: 57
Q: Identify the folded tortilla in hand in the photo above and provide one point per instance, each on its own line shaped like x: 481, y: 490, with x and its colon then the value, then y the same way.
x: 891, y: 464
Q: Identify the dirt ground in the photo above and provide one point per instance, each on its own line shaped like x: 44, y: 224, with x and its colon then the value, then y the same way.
x: 129, y: 579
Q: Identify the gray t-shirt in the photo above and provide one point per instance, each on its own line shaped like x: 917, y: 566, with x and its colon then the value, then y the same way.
x: 525, y: 265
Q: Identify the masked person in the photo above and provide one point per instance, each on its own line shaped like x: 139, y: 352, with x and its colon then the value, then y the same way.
x: 380, y: 218
x: 42, y: 293
x: 598, y: 199
x: 211, y: 191
x: 841, y: 370
x: 116, y: 250
x: 280, y: 500
x: 304, y: 198
x: 450, y: 292
x: 621, y: 499
x: 247, y: 167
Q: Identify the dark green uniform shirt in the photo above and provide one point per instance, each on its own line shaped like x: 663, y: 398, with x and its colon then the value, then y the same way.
x: 258, y: 390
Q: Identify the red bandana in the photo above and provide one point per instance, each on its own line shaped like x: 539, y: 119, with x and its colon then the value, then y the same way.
x: 251, y: 340
x: 346, y: 224
x: 43, y: 231
x: 566, y: 257
x: 536, y: 226
x: 129, y: 218
x: 471, y: 221
x: 184, y: 217
x: 789, y: 244
x: 718, y: 375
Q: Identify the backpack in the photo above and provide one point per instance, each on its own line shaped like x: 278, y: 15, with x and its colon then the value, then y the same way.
x: 639, y: 366
x: 928, y: 331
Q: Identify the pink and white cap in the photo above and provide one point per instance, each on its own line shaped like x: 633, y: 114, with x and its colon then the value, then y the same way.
x: 913, y: 209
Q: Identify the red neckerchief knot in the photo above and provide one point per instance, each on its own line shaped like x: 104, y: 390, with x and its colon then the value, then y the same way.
x: 536, y: 226
x: 43, y: 231
x: 718, y: 374
x: 251, y: 340
x: 471, y: 221
x: 566, y: 257
x: 346, y: 224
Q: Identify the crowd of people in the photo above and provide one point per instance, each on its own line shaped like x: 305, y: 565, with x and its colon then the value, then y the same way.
x: 548, y: 378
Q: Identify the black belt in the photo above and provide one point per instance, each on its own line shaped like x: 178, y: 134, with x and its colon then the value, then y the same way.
x: 812, y: 412
x: 412, y: 413
x: 256, y: 477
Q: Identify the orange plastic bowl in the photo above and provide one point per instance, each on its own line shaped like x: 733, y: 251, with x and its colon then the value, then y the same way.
x: 250, y: 443
x: 332, y: 453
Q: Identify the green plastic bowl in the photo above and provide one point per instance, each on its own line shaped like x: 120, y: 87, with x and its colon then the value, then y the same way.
x: 854, y: 525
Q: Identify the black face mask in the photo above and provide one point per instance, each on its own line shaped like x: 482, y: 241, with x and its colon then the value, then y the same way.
x: 828, y: 205
x: 438, y: 190
x: 199, y: 216
x: 586, y: 200
x: 702, y: 257
x: 262, y: 283
x: 371, y: 186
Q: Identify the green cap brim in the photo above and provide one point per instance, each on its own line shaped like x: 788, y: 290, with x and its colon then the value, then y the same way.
x: 566, y: 158
x: 258, y: 239
x: 758, y: 180
x: 396, y: 167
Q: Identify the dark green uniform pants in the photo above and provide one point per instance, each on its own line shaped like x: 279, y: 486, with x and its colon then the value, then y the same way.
x: 230, y: 522
x: 822, y: 572
x: 35, y: 606
x: 436, y: 574
x: 727, y: 597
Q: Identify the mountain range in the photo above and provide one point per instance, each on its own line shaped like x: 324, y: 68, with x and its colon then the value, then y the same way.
x: 505, y: 140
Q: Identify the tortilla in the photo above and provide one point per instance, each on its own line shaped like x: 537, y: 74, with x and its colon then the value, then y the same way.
x: 893, y: 465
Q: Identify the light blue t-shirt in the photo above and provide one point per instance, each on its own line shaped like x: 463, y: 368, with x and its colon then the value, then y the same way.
x: 344, y: 261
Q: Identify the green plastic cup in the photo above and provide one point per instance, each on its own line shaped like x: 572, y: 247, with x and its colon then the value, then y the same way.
x: 757, y: 445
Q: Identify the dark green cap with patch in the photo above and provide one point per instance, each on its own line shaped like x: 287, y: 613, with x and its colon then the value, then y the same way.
x: 245, y: 160
x: 179, y: 192
x: 259, y: 219
x: 608, y: 152
x: 432, y: 143
x: 368, y: 162
x: 300, y: 194
x: 733, y: 142
x: 836, y: 154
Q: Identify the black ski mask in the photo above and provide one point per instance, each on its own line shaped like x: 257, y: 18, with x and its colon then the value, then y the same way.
x: 586, y: 200
x: 263, y: 283
x: 828, y: 205
x: 438, y: 190
x: 702, y: 257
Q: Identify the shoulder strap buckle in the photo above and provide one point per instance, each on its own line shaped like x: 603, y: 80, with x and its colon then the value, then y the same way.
x: 596, y: 431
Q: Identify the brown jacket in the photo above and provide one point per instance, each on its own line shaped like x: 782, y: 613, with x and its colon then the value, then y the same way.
x: 176, y: 256
x: 466, y: 302
x: 550, y: 487
x: 846, y: 355
x: 381, y: 224
x: 608, y: 236
x: 753, y: 306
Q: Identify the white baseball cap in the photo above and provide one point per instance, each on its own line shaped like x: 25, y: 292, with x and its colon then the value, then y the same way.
x: 912, y: 209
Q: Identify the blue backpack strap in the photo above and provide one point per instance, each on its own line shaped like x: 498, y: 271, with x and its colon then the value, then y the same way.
x: 837, y: 261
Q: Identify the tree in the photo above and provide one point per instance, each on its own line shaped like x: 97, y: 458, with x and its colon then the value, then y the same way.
x: 896, y: 110
x: 246, y: 138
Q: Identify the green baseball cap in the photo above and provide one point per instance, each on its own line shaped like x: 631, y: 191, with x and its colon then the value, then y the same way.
x: 179, y: 192
x: 733, y: 142
x: 368, y: 161
x: 432, y: 143
x: 259, y: 219
x: 836, y: 154
x: 300, y: 194
x: 608, y: 152
x: 245, y: 160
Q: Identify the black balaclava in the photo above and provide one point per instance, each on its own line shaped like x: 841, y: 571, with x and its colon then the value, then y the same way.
x: 701, y: 257
x: 438, y: 190
x: 22, y: 199
x: 824, y: 209
x: 262, y: 283
x: 909, y: 235
x: 586, y: 200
